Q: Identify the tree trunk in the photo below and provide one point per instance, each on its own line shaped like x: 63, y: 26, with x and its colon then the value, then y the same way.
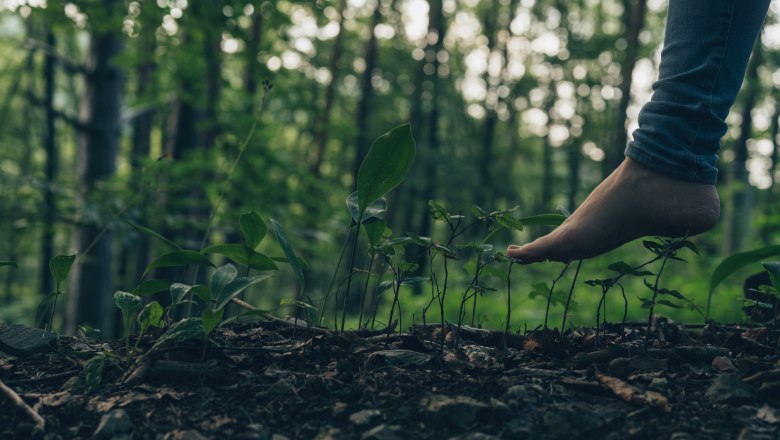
x: 254, y: 39
x: 635, y: 17
x: 742, y: 198
x: 50, y: 169
x: 91, y: 279
x: 484, y: 196
x: 322, y: 119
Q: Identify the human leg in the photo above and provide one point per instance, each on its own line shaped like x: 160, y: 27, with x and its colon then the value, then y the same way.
x: 666, y: 185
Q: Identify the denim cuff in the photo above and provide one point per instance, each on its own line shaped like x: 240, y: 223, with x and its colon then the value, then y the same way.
x: 695, y: 170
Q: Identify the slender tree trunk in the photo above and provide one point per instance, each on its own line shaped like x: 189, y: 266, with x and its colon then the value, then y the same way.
x: 92, y: 277
x: 743, y: 195
x: 484, y: 196
x: 50, y: 168
x: 635, y: 11
x: 251, y: 71
x: 322, y: 119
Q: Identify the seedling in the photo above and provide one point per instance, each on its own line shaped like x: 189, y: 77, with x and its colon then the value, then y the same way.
x: 59, y: 267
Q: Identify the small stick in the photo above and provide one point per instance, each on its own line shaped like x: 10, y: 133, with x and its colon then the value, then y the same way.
x: 273, y: 318
x: 11, y: 394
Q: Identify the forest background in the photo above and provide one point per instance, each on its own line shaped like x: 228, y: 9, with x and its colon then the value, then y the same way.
x: 116, y: 111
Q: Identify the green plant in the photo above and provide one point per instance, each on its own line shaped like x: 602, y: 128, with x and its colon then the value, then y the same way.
x: 59, y: 267
x: 732, y: 264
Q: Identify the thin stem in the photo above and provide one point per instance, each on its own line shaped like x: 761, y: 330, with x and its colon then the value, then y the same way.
x: 442, y: 296
x: 655, y: 295
x: 568, y: 300
x: 625, y: 307
x: 321, y: 314
x: 508, y: 300
x: 365, y: 292
x: 550, y: 294
x: 349, y: 281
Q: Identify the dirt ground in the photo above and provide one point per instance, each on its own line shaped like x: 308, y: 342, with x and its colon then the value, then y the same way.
x: 273, y: 381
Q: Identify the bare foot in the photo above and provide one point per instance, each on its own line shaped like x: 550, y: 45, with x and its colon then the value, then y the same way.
x: 632, y: 202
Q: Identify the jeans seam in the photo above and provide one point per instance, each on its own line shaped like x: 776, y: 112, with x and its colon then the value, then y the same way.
x: 722, y: 56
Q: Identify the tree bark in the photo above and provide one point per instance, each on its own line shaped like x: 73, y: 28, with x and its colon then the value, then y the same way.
x: 50, y: 168
x: 322, y: 119
x: 634, y: 14
x: 92, y: 276
x: 742, y: 198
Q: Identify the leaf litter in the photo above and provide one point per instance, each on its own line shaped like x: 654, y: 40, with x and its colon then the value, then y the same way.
x: 269, y: 380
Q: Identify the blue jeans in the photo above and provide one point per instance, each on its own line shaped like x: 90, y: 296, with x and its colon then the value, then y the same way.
x: 706, y: 49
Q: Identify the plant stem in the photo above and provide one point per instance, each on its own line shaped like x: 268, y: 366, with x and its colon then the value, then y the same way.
x: 508, y: 300
x: 655, y: 295
x: 550, y: 294
x: 351, y: 267
x: 321, y: 314
x: 442, y: 296
x: 568, y: 300
x: 365, y: 292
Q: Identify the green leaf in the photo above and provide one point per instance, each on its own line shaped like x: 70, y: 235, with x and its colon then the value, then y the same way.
x: 543, y: 219
x: 477, y: 211
x: 201, y: 291
x: 9, y: 263
x: 93, y: 372
x: 253, y: 227
x: 437, y: 211
x: 151, y: 233
x: 178, y: 258
x: 211, y: 319
x: 738, y: 261
x: 235, y: 287
x: 624, y: 268
x: 129, y: 304
x: 374, y: 209
x: 295, y: 264
x: 221, y: 278
x: 509, y: 222
x: 150, y: 316
x: 375, y: 228
x: 386, y: 165
x: 60, y: 265
x: 151, y: 287
x: 186, y: 329
x: 178, y: 292
x: 667, y: 303
x: 414, y: 280
x: 773, y: 268
x: 296, y: 303
x: 238, y: 253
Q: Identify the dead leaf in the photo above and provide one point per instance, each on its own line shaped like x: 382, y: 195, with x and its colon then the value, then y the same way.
x: 633, y: 395
x: 767, y: 414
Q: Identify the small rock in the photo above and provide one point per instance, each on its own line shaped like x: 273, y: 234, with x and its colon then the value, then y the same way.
x: 459, y: 410
x: 21, y: 340
x: 728, y: 387
x: 382, y: 432
x: 113, y: 424
x: 364, y: 417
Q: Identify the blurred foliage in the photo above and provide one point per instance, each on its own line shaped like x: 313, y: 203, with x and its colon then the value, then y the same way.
x: 512, y: 103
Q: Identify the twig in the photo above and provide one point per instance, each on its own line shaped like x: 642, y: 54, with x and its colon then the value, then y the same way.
x: 42, y: 378
x: 272, y: 318
x: 11, y: 394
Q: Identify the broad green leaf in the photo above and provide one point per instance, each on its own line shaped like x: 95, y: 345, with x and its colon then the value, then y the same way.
x: 773, y: 268
x: 129, y: 304
x: 211, y: 319
x: 60, y: 265
x: 543, y: 219
x: 151, y: 287
x: 375, y: 228
x: 178, y: 258
x: 624, y: 268
x: 238, y: 253
x: 151, y: 233
x: 738, y: 261
x: 253, y: 227
x: 221, y: 278
x: 667, y: 303
x: 93, y: 372
x: 445, y: 251
x: 9, y: 263
x: 178, y: 292
x: 477, y: 211
x: 375, y: 209
x: 235, y: 287
x: 437, y: 211
x: 284, y: 243
x: 509, y: 222
x: 186, y: 329
x: 150, y: 316
x: 385, y: 166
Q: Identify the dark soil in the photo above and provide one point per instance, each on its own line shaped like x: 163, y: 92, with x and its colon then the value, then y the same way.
x: 271, y: 381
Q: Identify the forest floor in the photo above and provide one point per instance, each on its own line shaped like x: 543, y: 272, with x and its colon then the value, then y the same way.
x: 271, y: 381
